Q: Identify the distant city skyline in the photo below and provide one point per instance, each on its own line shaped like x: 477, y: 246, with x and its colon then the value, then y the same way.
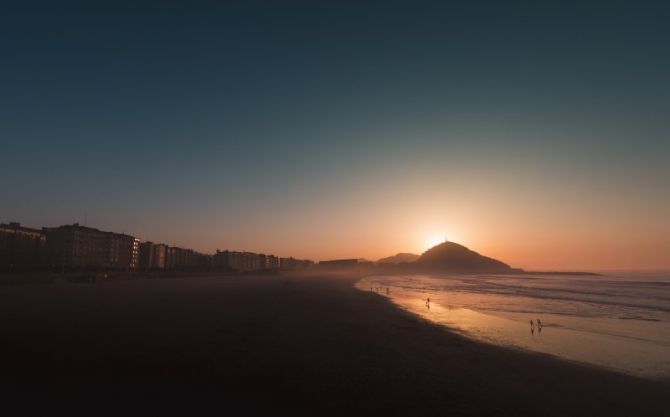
x: 535, y: 134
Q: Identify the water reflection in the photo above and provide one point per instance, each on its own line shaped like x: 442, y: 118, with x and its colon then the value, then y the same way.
x: 640, y: 347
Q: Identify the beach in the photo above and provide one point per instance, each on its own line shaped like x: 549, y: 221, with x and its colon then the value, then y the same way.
x: 300, y: 344
x: 619, y: 321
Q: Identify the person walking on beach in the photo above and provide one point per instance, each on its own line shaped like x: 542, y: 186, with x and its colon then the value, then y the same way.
x: 539, y: 326
x: 532, y: 327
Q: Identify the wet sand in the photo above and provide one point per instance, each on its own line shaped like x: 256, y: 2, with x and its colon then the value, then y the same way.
x: 302, y: 345
x: 629, y: 334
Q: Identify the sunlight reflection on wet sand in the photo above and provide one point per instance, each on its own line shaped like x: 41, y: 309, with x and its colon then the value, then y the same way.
x: 631, y: 346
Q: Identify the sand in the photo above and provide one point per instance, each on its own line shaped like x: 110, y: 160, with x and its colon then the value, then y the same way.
x: 304, y: 345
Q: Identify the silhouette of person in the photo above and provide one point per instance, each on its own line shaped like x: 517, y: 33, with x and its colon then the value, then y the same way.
x: 532, y: 327
x: 539, y: 326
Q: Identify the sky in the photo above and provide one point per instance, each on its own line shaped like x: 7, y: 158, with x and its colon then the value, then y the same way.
x: 538, y: 134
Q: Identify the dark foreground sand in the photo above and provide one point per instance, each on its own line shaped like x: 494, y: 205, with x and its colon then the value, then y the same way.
x: 286, y: 345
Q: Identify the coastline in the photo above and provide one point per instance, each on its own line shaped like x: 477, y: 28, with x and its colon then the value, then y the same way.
x: 301, y: 344
x: 622, y: 329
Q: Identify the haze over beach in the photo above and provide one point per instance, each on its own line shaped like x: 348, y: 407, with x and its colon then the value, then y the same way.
x: 335, y: 208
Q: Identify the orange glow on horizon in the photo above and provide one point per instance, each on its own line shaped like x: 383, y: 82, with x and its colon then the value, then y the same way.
x: 560, y: 226
x: 434, y: 240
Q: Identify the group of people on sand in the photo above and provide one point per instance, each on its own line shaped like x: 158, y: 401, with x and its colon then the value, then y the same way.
x: 532, y: 323
x: 380, y: 289
x: 532, y: 326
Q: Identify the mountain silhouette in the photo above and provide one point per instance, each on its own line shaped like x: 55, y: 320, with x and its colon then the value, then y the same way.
x: 399, y: 258
x: 452, y: 257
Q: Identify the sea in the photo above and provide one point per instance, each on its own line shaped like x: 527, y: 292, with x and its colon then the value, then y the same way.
x: 616, y: 320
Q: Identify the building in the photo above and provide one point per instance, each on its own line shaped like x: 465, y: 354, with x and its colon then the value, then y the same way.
x: 250, y: 261
x: 202, y: 261
x: 339, y: 263
x: 243, y: 261
x: 176, y: 258
x: 292, y: 263
x: 79, y: 247
x: 153, y: 256
x: 181, y: 259
x: 273, y: 262
x: 75, y: 247
x: 227, y: 261
x: 262, y: 261
x: 123, y: 251
x: 21, y: 248
x: 305, y: 263
x: 234, y: 261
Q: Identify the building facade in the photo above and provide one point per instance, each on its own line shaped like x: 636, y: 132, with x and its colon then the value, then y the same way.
x: 75, y: 247
x: 243, y: 261
x: 229, y: 261
x: 273, y: 262
x: 153, y: 256
x: 292, y: 263
x: 181, y: 259
x: 79, y: 247
x: 22, y: 248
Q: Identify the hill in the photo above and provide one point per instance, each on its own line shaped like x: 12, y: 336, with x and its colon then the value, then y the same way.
x: 399, y: 258
x: 452, y: 257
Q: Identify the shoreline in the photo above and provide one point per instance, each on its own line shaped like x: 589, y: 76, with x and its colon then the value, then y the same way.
x: 300, y: 343
x: 607, y: 341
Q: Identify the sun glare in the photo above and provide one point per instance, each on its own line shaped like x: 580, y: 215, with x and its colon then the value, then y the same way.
x: 434, y: 240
